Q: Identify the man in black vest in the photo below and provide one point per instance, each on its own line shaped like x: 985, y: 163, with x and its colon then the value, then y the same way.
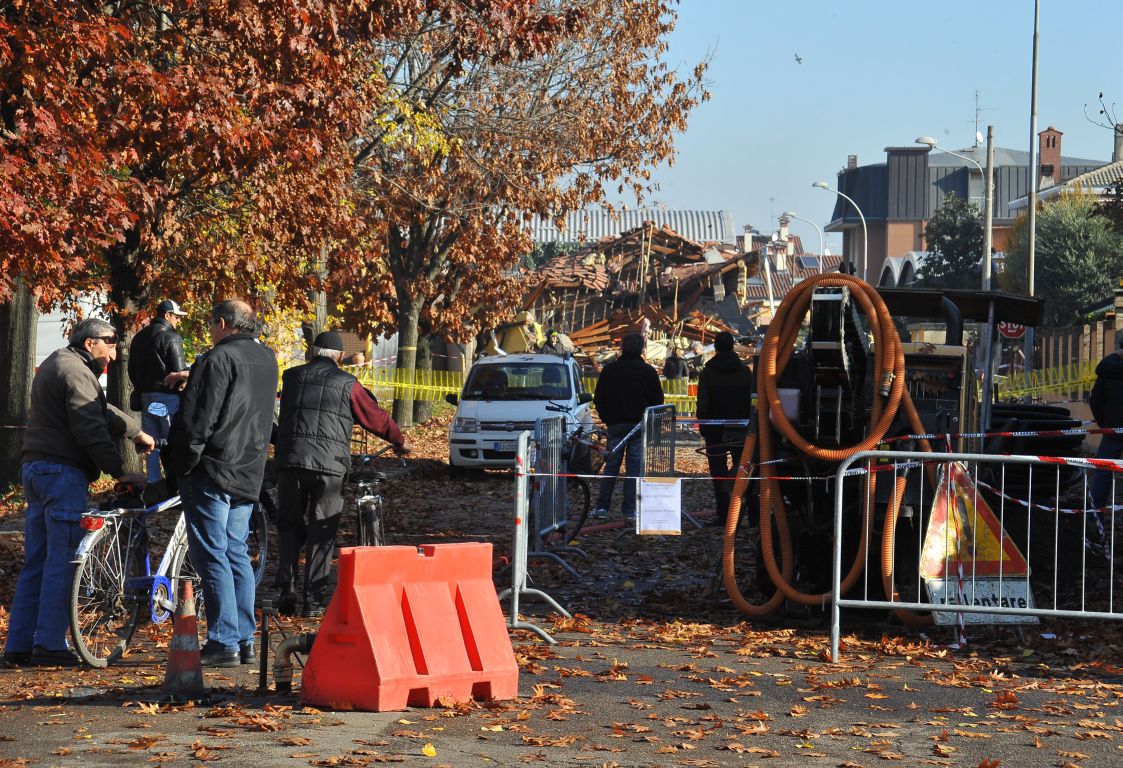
x: 319, y: 406
x: 155, y: 355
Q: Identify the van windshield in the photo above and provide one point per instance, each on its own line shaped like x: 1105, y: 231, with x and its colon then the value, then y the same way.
x: 518, y: 381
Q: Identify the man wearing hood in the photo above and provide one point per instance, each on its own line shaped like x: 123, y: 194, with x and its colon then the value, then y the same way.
x: 70, y: 440
x: 725, y: 392
x: 625, y: 388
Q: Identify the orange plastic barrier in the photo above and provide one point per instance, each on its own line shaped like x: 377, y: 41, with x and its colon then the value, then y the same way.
x: 409, y: 625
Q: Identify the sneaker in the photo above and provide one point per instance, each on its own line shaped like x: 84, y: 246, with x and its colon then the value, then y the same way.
x: 247, y: 654
x: 15, y: 659
x: 43, y: 657
x: 215, y: 655
x: 600, y: 513
x: 312, y: 611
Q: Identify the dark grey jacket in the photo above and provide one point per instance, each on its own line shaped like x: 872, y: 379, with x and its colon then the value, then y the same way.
x: 1106, y: 399
x: 70, y: 421
x: 224, y: 421
x: 315, y: 426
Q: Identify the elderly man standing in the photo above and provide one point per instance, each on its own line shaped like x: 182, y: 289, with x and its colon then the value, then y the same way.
x: 155, y: 353
x: 320, y: 404
x: 70, y: 440
x: 217, y: 448
x: 625, y: 389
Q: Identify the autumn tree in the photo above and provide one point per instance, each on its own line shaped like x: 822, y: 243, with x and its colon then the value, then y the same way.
x: 451, y: 179
x: 1078, y: 258
x: 193, y: 148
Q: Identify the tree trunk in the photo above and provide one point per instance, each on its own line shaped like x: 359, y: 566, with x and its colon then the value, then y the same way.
x: 18, y: 326
x: 129, y: 295
x: 319, y: 306
x: 423, y: 409
x: 119, y: 389
x: 409, y: 313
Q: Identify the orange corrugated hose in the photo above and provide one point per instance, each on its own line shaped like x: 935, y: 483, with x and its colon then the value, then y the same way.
x: 779, y: 343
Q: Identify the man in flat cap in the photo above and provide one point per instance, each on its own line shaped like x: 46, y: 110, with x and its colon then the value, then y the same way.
x: 319, y: 406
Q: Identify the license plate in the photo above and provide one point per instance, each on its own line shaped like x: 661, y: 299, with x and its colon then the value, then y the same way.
x: 504, y: 445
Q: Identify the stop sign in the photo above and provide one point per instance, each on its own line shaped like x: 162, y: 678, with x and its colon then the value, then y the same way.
x: 1011, y: 330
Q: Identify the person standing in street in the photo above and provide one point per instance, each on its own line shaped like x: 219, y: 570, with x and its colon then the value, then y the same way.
x: 217, y: 449
x: 674, y: 367
x: 320, y: 404
x: 70, y: 440
x: 1106, y: 402
x: 155, y: 354
x: 625, y: 389
x: 725, y: 392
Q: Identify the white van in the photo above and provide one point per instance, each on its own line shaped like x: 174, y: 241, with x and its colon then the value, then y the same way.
x: 504, y: 395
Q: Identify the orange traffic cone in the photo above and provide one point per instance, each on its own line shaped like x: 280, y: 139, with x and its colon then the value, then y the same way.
x: 184, y: 680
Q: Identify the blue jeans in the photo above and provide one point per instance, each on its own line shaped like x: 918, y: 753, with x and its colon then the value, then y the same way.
x: 631, y: 455
x: 218, y: 526
x: 1111, y: 447
x: 57, y: 495
x: 156, y: 411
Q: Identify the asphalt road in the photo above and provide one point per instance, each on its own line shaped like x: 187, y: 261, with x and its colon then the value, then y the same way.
x: 631, y: 694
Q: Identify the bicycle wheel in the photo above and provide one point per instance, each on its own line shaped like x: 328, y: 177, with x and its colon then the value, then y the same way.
x: 104, y: 613
x: 578, y: 499
x: 369, y: 523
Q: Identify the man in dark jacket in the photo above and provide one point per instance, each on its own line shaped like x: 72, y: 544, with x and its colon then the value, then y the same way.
x: 155, y: 353
x: 217, y: 448
x: 320, y: 405
x: 725, y: 392
x: 70, y: 441
x: 674, y: 367
x: 625, y: 388
x: 1106, y: 402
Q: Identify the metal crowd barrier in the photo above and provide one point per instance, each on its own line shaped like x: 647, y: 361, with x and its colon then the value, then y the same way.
x: 972, y: 532
x: 525, y: 459
x: 660, y: 436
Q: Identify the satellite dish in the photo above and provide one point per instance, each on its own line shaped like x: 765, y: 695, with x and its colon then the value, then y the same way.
x: 979, y: 137
x: 826, y: 251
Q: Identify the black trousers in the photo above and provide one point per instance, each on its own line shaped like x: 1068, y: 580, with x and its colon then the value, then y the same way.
x: 723, y: 450
x: 309, y: 505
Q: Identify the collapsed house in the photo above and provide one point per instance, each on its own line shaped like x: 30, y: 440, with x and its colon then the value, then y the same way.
x: 647, y: 279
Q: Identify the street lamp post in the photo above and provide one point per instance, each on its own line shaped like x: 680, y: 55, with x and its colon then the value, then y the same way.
x: 865, y: 232
x: 988, y: 200
x: 793, y: 215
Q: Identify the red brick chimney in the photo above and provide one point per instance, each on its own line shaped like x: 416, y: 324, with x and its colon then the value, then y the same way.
x: 1049, y: 157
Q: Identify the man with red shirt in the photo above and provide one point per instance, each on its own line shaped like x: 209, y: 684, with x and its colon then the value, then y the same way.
x: 319, y: 406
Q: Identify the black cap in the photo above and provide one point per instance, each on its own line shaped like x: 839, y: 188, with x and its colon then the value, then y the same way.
x: 723, y: 342
x: 166, y: 306
x: 329, y: 340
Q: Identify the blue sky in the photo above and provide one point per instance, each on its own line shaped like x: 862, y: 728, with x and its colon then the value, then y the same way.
x: 874, y: 74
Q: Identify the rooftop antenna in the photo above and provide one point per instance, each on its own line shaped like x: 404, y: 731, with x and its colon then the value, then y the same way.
x: 979, y: 109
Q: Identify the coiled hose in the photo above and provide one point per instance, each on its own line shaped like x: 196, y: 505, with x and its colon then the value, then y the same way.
x: 889, y: 363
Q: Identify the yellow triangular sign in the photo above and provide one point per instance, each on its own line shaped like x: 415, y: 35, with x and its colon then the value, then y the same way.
x: 962, y: 530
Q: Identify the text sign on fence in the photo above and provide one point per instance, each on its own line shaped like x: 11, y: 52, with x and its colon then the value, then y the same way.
x: 1011, y: 330
x: 1005, y: 593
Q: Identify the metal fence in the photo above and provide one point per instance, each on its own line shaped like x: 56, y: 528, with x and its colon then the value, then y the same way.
x: 525, y: 460
x: 548, y: 512
x: 975, y: 539
x: 659, y: 441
